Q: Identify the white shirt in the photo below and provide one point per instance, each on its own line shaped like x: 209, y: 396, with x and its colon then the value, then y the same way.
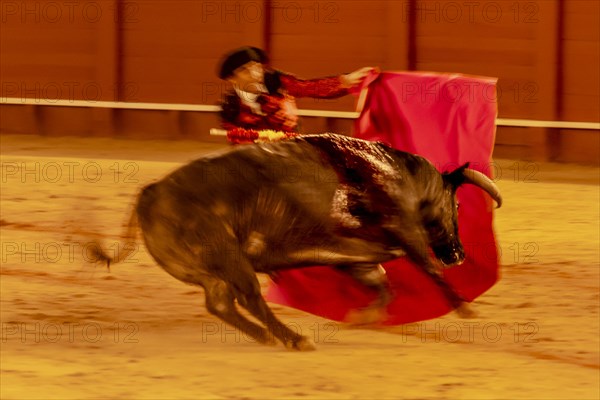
x: 249, y: 99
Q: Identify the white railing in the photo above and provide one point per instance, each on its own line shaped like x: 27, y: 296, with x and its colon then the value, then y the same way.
x: 527, y: 123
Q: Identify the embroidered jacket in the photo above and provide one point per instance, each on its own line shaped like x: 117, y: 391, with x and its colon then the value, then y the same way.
x: 278, y: 106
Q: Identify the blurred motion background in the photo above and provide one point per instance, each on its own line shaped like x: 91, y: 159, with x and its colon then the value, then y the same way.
x: 545, y: 53
x: 98, y: 98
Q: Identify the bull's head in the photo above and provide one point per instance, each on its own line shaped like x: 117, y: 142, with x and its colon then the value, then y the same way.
x: 440, y: 217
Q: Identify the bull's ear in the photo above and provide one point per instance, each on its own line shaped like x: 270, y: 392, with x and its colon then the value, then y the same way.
x: 456, y: 177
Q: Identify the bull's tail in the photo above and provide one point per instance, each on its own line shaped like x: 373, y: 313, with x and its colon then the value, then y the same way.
x: 127, y: 244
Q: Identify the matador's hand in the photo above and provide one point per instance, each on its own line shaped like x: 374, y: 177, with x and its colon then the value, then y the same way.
x: 354, y: 78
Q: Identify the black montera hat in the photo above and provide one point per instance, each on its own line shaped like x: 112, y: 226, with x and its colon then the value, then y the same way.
x: 239, y: 57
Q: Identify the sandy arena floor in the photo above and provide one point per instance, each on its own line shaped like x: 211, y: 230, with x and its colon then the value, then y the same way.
x: 74, y: 331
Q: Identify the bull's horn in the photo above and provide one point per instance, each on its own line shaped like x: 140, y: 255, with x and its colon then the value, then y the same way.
x: 479, y: 179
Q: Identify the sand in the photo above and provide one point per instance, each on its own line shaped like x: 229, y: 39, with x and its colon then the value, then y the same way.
x: 74, y: 330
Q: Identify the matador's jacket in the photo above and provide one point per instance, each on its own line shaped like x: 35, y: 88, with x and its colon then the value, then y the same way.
x: 277, y: 106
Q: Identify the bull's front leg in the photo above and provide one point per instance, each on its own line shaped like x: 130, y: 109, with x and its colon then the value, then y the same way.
x: 415, y: 244
x: 374, y: 277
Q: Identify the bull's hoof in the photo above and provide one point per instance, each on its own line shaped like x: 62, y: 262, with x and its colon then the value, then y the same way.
x: 268, y: 341
x: 366, y: 316
x: 302, y: 344
x: 466, y: 311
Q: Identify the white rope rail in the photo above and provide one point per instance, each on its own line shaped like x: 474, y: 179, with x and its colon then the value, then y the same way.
x: 532, y: 123
x: 110, y: 104
x: 526, y: 123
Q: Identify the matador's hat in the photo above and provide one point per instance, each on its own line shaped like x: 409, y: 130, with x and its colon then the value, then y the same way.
x: 236, y: 58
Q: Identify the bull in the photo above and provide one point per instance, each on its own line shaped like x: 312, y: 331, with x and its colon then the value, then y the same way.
x: 311, y: 200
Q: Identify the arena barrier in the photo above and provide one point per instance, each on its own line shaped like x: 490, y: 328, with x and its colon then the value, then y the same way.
x: 523, y: 123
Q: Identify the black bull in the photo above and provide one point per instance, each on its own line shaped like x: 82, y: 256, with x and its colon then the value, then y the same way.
x: 313, y: 200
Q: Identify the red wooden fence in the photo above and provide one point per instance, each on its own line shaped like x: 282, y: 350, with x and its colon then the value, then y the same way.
x: 545, y: 53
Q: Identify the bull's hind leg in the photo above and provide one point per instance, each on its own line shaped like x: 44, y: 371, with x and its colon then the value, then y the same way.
x: 246, y: 289
x: 220, y: 302
x: 260, y: 309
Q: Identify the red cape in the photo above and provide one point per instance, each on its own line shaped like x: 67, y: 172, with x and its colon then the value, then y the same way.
x: 450, y: 120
